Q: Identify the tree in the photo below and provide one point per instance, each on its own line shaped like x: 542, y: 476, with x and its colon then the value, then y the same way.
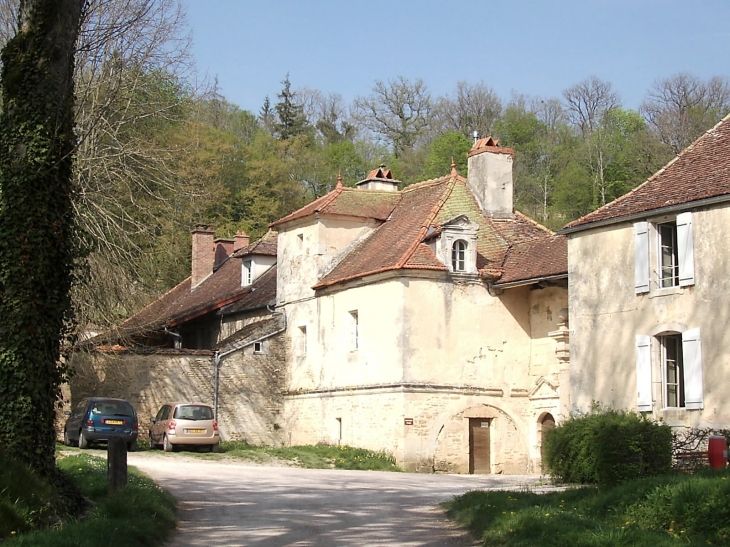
x: 291, y: 119
x: 680, y: 108
x: 39, y: 243
x: 441, y: 151
x: 588, y: 104
x: 398, y: 111
x: 475, y: 107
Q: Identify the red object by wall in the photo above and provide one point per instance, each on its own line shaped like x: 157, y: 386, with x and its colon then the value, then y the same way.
x: 717, y: 452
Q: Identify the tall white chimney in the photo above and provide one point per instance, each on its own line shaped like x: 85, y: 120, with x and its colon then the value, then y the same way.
x: 490, y: 177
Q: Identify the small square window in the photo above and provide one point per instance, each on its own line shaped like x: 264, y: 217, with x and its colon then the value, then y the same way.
x: 258, y: 347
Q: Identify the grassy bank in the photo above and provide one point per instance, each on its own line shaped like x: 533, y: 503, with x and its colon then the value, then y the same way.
x: 655, y: 512
x: 142, y: 515
x: 312, y: 457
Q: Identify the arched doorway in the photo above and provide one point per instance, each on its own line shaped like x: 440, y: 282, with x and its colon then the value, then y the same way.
x: 547, y: 422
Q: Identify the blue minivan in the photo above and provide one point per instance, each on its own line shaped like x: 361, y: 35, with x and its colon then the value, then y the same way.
x: 96, y: 419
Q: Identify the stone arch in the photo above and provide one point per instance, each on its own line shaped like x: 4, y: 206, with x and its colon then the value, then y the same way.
x: 545, y: 423
x: 450, y: 445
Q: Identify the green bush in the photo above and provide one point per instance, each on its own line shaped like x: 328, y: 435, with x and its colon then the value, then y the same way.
x: 607, y: 447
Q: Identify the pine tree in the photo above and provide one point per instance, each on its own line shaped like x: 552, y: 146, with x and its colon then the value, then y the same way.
x: 292, y: 121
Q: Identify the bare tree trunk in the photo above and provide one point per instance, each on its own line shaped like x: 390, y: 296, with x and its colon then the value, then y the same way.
x: 37, y: 247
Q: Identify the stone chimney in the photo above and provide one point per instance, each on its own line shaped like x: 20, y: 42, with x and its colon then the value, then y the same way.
x: 203, y: 253
x: 240, y: 241
x: 379, y: 179
x: 490, y: 177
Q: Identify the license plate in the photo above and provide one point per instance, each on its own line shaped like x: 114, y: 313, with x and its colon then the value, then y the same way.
x: 114, y: 422
x: 195, y: 431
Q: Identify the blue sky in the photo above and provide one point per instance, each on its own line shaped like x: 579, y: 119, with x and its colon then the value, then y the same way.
x: 534, y: 47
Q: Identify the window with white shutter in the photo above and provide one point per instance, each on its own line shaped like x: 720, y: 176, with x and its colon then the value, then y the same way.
x: 685, y: 250
x: 692, y: 355
x: 641, y: 257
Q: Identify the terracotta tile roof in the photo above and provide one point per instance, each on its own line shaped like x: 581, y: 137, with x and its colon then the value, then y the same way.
x: 699, y: 172
x: 264, y: 246
x: 220, y: 290
x: 349, y: 202
x: 507, y: 249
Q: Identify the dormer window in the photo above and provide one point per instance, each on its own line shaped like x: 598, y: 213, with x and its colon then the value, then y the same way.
x: 456, y: 245
x: 247, y: 273
x: 458, y: 255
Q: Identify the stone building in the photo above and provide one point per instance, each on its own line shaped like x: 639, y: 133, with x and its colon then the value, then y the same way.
x: 648, y: 275
x: 429, y: 322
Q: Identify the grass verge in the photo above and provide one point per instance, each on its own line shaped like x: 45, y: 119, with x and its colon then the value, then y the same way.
x: 310, y: 457
x: 142, y: 515
x: 654, y: 512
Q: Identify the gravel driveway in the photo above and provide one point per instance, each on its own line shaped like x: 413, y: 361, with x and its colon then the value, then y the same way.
x: 224, y: 503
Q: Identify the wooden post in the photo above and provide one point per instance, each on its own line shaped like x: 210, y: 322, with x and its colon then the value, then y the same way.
x: 116, y: 464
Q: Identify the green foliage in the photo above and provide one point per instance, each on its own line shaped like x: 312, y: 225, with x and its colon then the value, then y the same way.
x: 39, y: 243
x: 141, y: 515
x: 441, y: 150
x: 291, y: 121
x: 27, y: 501
x: 650, y: 512
x: 607, y: 447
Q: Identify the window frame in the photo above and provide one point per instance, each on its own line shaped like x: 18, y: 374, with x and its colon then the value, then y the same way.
x: 246, y: 272
x: 459, y: 249
x: 648, y: 246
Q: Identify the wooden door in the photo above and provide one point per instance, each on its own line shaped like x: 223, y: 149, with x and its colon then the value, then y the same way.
x: 479, y: 446
x: 548, y: 422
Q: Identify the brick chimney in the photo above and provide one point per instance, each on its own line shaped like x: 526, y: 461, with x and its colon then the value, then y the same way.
x: 490, y: 177
x: 223, y: 249
x: 240, y: 240
x: 203, y: 257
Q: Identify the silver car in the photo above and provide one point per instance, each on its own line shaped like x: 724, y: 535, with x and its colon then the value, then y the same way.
x: 184, y: 424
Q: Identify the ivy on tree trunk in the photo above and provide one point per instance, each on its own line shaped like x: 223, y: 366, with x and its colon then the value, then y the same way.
x: 37, y: 239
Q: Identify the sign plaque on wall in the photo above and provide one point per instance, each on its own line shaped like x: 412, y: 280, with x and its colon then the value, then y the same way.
x: 408, y: 421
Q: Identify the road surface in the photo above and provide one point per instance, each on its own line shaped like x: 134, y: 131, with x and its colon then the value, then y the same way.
x: 225, y: 503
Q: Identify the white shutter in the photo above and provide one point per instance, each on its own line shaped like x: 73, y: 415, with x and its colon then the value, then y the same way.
x: 685, y: 248
x: 643, y: 372
x: 641, y: 257
x: 692, y: 359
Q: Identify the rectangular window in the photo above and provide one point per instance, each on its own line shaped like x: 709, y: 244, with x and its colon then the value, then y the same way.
x: 668, y: 268
x: 354, y: 331
x: 303, y: 340
x: 672, y: 263
x: 246, y: 273
x: 258, y: 347
x: 673, y: 367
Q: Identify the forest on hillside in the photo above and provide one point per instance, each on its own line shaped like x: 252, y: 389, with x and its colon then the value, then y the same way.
x: 159, y: 152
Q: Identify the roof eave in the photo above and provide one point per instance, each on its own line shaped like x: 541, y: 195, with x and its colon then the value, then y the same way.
x: 530, y: 281
x: 643, y: 214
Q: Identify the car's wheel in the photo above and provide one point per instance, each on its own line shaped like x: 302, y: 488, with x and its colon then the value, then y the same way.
x: 83, y: 441
x: 131, y: 447
x: 66, y: 439
x: 215, y: 447
x: 167, y: 445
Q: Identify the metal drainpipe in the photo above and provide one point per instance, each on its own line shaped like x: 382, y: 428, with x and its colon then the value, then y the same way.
x: 218, y: 356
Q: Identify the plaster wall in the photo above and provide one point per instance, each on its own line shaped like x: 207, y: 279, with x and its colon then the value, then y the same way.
x: 310, y: 250
x: 606, y: 314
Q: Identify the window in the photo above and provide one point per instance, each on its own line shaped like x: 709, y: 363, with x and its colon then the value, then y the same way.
x: 246, y: 273
x: 678, y: 364
x: 458, y: 256
x: 354, y: 331
x: 303, y: 340
x: 671, y: 361
x: 672, y: 263
x: 258, y: 347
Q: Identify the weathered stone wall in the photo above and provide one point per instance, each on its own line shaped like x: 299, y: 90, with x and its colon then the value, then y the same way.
x: 249, y: 392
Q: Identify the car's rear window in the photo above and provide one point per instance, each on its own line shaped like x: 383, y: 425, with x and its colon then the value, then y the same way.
x: 112, y: 408
x: 193, y: 412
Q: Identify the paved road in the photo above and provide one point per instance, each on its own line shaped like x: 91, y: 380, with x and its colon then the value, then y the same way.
x: 232, y: 504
